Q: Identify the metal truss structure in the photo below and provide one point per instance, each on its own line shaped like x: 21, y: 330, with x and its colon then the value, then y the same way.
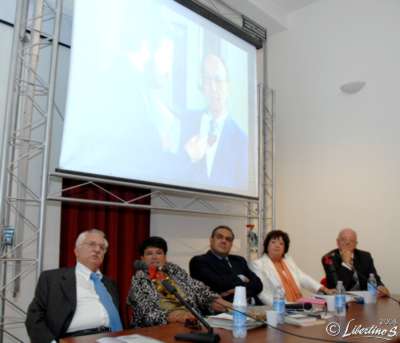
x: 25, y: 174
x: 268, y: 169
x: 26, y: 147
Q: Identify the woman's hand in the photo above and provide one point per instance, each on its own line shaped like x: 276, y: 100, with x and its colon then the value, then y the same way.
x: 327, y: 291
x: 179, y: 316
x: 221, y: 305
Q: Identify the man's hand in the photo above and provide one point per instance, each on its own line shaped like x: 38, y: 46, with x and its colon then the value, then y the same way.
x: 244, y: 278
x: 196, y: 148
x: 382, y: 292
x: 347, y: 257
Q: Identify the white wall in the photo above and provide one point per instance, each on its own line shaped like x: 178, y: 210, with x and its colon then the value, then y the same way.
x: 337, y: 160
x: 188, y: 234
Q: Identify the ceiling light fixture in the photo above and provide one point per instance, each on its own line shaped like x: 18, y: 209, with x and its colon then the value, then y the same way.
x: 352, y: 87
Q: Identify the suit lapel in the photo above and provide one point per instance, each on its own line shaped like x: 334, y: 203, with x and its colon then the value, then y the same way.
x: 217, y: 264
x: 109, y: 286
x: 68, y: 285
x: 270, y: 268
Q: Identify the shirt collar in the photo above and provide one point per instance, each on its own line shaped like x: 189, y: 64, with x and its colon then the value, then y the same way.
x: 219, y: 256
x: 85, y: 271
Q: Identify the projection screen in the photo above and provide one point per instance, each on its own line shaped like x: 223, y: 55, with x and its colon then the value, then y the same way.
x: 160, y: 95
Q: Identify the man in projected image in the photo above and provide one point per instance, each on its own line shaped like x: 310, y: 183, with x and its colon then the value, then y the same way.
x: 218, y: 149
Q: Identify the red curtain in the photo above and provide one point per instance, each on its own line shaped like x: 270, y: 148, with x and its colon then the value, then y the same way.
x: 125, y: 229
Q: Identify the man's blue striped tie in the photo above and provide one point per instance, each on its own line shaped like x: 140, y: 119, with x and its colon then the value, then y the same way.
x: 106, y: 300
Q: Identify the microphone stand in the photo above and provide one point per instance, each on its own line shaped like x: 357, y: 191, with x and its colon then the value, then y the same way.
x: 198, y: 337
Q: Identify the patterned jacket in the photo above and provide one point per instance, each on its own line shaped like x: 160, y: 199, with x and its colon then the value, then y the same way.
x: 145, y: 300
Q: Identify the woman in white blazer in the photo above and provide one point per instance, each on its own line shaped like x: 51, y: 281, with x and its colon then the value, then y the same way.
x: 274, y: 265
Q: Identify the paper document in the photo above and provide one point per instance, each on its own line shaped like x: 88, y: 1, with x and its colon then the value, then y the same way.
x: 128, y: 339
x: 225, y: 321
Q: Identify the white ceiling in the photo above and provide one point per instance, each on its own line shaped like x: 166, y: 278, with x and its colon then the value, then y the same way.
x: 272, y: 14
x: 288, y: 5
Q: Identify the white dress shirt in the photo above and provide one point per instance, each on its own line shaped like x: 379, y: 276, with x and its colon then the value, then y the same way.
x: 204, y: 131
x: 90, y: 312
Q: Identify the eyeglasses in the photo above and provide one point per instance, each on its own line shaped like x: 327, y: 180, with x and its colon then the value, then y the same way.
x: 94, y: 245
x: 347, y: 241
x: 227, y: 238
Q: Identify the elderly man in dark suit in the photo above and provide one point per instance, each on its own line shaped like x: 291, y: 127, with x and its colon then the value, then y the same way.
x: 221, y: 271
x: 75, y: 301
x: 350, y: 265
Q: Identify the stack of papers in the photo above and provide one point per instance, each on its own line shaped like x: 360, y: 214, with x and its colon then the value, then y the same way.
x: 225, y: 321
x: 302, y: 320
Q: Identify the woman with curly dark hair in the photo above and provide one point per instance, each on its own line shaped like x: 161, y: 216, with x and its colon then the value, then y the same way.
x: 152, y: 304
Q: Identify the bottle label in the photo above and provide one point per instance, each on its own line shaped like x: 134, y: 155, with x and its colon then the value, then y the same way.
x: 372, y: 289
x: 340, y: 303
x: 279, y: 306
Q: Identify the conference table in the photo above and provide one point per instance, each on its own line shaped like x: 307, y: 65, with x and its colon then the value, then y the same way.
x: 378, y: 322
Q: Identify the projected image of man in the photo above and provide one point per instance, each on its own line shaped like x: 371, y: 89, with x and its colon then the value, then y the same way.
x: 218, y: 148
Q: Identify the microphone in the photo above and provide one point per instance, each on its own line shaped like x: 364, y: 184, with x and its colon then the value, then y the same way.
x: 153, y: 271
x: 327, y: 261
x: 201, y: 337
x: 140, y: 265
x: 298, y: 307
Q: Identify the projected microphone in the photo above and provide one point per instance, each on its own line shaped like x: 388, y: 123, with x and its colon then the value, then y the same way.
x: 205, y: 337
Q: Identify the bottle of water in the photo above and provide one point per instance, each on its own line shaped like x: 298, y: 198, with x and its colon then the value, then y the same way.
x: 278, y: 304
x: 372, y: 285
x: 340, y: 299
x: 239, y: 317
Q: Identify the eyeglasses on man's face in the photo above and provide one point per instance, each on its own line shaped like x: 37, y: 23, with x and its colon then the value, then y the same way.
x: 93, y: 245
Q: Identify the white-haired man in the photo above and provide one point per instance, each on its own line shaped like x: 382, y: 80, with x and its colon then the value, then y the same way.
x: 75, y: 301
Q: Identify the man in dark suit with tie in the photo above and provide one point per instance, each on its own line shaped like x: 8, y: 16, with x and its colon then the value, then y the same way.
x: 350, y: 265
x: 75, y: 301
x: 221, y: 271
